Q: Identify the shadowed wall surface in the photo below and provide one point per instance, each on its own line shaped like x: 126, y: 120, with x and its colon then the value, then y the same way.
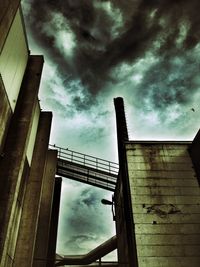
x: 165, y: 199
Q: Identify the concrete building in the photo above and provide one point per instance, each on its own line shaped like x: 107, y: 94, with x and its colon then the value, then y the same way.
x: 157, y: 201
x: 27, y: 167
x: 156, y: 195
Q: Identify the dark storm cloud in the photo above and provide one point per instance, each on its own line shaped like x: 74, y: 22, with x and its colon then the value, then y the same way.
x: 82, y: 103
x: 171, y: 80
x: 97, y: 49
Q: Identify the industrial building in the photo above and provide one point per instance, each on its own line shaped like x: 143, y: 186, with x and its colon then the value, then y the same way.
x: 27, y: 167
x: 156, y: 194
x: 157, y: 200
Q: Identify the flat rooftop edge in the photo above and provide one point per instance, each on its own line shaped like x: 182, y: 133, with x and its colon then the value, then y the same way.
x: 182, y: 142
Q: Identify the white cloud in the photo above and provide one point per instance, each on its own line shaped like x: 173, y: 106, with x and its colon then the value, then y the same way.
x: 82, y: 218
x: 58, y: 28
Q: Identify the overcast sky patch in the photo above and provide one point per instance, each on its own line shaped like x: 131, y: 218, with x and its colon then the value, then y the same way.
x: 145, y: 51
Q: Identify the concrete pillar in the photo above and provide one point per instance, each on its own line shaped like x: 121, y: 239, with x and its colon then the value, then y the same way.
x: 14, y: 154
x: 54, y: 224
x: 8, y: 10
x: 194, y: 151
x: 128, y: 257
x: 42, y: 238
x: 29, y: 220
x: 5, y: 114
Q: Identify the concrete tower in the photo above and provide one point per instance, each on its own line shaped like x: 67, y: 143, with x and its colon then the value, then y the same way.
x: 27, y: 167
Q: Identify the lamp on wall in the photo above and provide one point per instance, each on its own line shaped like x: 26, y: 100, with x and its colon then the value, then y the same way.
x: 111, y: 203
x: 106, y: 202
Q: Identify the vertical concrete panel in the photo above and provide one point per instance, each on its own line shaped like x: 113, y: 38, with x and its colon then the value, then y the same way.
x: 5, y: 114
x: 165, y: 199
x: 8, y: 10
x: 194, y: 150
x: 125, y: 198
x: 16, y: 217
x: 32, y: 201
x: 121, y: 229
x: 54, y: 224
x: 12, y: 163
x: 13, y: 59
x: 33, y: 134
x: 42, y: 238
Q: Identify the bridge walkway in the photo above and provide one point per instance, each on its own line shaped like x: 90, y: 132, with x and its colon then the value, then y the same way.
x: 86, y: 169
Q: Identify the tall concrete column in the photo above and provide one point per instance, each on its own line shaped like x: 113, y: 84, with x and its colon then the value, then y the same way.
x: 14, y: 154
x: 30, y: 214
x: 54, y: 224
x: 194, y: 151
x: 127, y: 251
x: 42, y: 238
x: 5, y: 114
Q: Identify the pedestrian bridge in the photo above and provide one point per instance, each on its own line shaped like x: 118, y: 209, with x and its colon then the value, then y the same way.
x: 86, y: 169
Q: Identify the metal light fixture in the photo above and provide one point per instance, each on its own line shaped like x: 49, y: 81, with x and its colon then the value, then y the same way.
x: 111, y: 203
x: 106, y: 202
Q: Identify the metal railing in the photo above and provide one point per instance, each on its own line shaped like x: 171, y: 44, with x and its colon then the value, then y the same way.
x: 86, y: 160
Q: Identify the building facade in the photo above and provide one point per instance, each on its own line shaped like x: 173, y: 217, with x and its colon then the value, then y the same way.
x: 27, y: 166
x: 157, y: 201
x: 157, y: 195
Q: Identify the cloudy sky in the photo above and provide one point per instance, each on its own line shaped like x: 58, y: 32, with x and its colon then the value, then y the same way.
x: 148, y: 52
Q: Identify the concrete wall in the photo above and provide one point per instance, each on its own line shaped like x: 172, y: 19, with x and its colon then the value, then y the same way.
x: 33, y: 133
x: 166, y: 204
x: 45, y: 212
x: 51, y: 253
x: 27, y: 169
x: 5, y: 114
x: 8, y: 10
x: 12, y: 164
x: 13, y: 59
x: 32, y: 200
x: 121, y: 228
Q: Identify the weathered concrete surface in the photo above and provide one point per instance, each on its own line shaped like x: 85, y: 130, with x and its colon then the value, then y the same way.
x: 42, y: 238
x: 32, y: 201
x: 194, y: 150
x: 166, y: 204
x: 5, y: 114
x: 54, y: 224
x: 169, y: 261
x: 121, y: 229
x: 13, y: 60
x: 8, y: 10
x: 13, y: 161
x: 127, y: 254
x: 33, y: 133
